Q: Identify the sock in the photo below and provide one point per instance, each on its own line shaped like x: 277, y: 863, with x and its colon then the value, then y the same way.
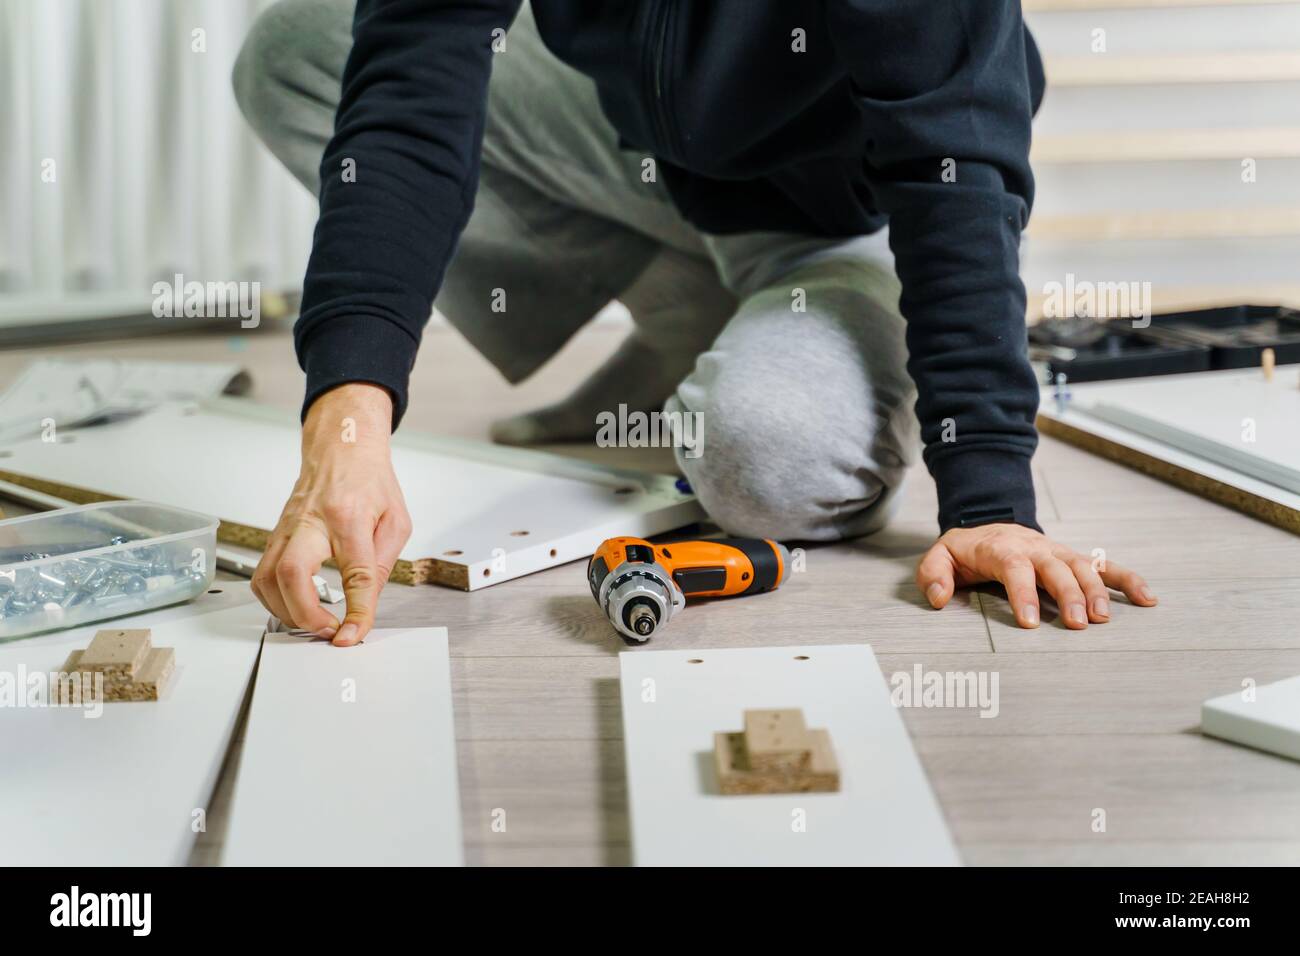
x: 678, y: 307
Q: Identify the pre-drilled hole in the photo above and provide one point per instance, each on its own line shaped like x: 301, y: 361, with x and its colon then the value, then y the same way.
x: 553, y: 552
x: 453, y: 553
x: 801, y: 657
x: 694, y: 660
x: 518, y: 534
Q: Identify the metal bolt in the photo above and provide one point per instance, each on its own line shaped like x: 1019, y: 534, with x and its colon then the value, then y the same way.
x: 91, y: 579
x: 47, y: 595
x: 112, y: 603
x: 131, y: 583
x: 53, y: 580
x: 149, y: 554
x: 77, y: 598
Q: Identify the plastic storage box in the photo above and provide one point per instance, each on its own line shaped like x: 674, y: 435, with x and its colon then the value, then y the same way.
x: 77, y: 565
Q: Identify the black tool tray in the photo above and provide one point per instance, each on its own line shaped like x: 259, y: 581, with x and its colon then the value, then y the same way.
x: 1235, y: 335
x: 1118, y: 351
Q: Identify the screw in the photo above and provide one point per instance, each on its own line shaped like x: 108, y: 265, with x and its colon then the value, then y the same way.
x: 126, y: 562
x: 131, y: 583
x: 49, y: 577
x: 77, y: 598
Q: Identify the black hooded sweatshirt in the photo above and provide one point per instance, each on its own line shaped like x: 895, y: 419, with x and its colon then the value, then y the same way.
x: 822, y: 117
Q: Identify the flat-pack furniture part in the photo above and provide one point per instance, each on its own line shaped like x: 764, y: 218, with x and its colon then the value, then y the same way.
x: 674, y: 702
x: 349, y: 757
x: 125, y: 661
x: 1230, y: 436
x: 1266, y: 717
x: 481, y: 513
x: 125, y: 784
x: 775, y: 753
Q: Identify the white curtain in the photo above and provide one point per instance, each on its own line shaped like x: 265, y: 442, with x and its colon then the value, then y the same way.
x: 124, y: 160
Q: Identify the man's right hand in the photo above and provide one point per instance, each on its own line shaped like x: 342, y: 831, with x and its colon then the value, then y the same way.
x: 347, y: 504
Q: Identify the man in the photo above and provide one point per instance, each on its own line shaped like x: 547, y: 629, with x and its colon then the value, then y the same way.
x: 727, y: 170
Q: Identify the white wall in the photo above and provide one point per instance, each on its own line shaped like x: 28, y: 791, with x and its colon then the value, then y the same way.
x: 157, y: 174
x: 1189, y: 91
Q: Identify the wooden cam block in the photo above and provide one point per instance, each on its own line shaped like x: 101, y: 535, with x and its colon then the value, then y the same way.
x: 117, y: 654
x: 148, y: 683
x: 776, y: 740
x: 821, y: 776
x: 77, y: 686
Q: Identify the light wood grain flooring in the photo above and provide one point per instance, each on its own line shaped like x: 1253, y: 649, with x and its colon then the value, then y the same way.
x: 1100, y: 720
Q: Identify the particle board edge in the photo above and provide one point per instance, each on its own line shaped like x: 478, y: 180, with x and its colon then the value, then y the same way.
x: 1239, y: 499
x: 657, y: 506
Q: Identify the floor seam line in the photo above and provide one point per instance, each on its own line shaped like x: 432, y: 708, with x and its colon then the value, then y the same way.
x: 988, y: 631
x: 1051, y: 496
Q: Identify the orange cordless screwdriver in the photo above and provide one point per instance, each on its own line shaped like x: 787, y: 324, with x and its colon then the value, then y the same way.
x: 640, y: 585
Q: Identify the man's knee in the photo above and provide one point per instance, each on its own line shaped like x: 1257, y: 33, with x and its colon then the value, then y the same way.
x: 760, y: 472
x: 284, y: 45
x: 256, y: 76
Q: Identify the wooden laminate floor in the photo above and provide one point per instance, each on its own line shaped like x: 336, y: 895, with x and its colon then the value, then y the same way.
x: 1103, y: 720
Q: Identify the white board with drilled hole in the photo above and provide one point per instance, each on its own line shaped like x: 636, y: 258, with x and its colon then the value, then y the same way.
x: 350, y: 755
x: 884, y: 814
x: 491, y: 512
x: 129, y: 786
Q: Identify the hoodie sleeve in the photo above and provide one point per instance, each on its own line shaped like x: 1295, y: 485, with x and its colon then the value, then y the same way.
x: 398, y: 180
x: 945, y: 88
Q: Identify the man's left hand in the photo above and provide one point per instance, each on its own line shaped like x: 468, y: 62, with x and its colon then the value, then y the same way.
x: 1023, y: 560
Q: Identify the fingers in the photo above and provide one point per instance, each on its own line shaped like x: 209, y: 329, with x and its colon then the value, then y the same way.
x: 391, y: 535
x: 302, y: 557
x: 354, y: 552
x: 1094, y: 590
x: 1017, y: 575
x: 1059, y: 581
x: 1130, y: 582
x: 264, y: 584
x: 1023, y: 560
x: 934, y: 575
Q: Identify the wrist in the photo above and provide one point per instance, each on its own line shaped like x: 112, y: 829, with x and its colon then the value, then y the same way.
x: 357, y: 413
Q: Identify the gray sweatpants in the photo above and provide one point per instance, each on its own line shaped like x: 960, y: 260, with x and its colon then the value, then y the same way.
x: 790, y: 348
